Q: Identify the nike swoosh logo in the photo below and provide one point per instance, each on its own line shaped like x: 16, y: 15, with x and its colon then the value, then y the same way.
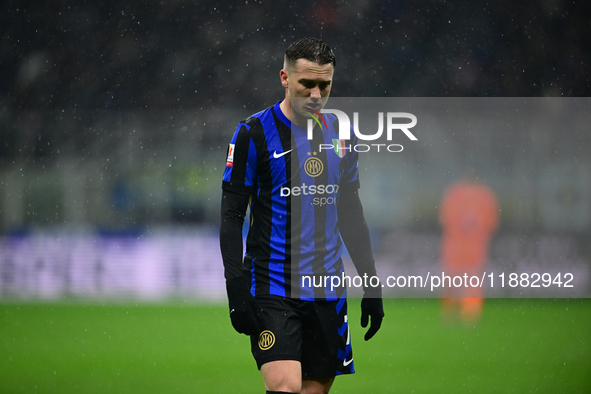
x: 278, y: 155
x: 346, y: 363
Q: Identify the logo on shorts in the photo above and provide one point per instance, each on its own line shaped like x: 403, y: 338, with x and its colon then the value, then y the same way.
x: 313, y: 167
x: 266, y: 340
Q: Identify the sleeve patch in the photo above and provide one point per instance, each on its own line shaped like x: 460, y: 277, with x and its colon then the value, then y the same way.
x: 230, y: 160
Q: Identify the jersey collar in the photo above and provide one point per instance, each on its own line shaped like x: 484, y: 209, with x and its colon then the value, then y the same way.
x: 281, y: 115
x: 284, y: 119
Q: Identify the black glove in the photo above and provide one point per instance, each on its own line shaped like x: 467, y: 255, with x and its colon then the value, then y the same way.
x: 372, y: 306
x: 244, y: 309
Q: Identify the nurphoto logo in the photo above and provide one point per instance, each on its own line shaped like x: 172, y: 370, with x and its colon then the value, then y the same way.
x: 393, y: 125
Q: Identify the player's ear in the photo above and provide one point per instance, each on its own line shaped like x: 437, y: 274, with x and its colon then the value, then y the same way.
x: 283, y: 76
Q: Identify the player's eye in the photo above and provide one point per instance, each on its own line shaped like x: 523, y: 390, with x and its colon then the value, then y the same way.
x: 324, y: 85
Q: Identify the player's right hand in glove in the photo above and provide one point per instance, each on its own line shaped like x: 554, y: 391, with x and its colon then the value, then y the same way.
x: 372, y: 306
x: 244, y: 309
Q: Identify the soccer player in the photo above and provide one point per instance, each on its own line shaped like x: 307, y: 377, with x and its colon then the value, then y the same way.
x: 469, y: 216
x: 304, y: 209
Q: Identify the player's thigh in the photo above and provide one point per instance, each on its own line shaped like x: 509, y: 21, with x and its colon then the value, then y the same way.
x: 316, y: 385
x: 282, y: 375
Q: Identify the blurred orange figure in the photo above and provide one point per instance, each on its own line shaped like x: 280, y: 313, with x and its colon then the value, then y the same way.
x: 469, y: 216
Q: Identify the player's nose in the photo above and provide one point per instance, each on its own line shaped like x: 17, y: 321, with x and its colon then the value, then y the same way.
x: 315, y: 92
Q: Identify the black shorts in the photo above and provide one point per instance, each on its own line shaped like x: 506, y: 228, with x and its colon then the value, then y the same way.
x: 316, y: 333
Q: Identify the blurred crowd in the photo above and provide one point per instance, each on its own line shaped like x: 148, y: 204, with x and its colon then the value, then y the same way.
x: 193, y: 54
x: 206, y: 55
x: 125, y: 84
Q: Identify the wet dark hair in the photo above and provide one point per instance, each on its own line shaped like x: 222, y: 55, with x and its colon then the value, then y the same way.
x: 312, y: 49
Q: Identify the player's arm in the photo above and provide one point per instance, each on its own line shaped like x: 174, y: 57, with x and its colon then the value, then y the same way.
x: 236, y: 191
x: 243, y: 306
x: 233, y: 211
x: 355, y: 234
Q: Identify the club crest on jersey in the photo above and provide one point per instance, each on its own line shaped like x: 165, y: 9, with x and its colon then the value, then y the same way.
x: 313, y: 166
x: 266, y: 340
x: 230, y: 160
x: 339, y: 147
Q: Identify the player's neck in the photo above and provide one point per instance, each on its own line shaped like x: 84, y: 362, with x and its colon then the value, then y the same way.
x: 286, y: 108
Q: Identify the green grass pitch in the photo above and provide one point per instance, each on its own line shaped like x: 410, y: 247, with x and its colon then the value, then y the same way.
x: 520, y: 346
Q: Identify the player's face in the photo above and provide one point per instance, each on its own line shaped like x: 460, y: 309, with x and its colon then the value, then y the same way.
x: 309, y: 80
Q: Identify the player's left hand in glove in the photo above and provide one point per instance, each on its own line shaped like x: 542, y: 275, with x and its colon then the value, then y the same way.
x: 244, y: 308
x: 372, y: 306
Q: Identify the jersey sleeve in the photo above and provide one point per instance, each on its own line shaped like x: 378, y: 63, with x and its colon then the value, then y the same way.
x: 241, y: 163
x: 350, y: 177
x: 355, y: 234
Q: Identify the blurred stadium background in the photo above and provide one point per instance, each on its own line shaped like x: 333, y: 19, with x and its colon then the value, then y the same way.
x: 114, y: 122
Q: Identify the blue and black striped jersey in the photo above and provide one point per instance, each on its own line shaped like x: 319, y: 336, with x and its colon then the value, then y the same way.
x: 294, y: 185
